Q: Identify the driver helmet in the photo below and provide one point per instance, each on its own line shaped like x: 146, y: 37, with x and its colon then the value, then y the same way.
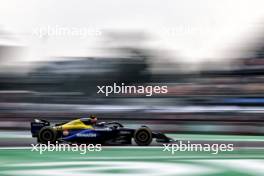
x: 93, y: 119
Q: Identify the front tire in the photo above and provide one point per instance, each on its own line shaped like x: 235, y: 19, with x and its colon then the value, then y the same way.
x: 47, y: 134
x: 143, y: 136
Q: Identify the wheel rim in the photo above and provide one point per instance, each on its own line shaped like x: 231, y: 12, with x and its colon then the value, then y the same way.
x: 143, y: 136
x: 47, y: 135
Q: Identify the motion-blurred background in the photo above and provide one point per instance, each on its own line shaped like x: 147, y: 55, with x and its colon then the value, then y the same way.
x: 53, y: 55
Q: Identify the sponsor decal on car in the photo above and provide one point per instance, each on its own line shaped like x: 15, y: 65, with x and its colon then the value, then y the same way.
x: 124, y: 132
x: 86, y: 135
x: 65, y: 132
x: 103, y: 129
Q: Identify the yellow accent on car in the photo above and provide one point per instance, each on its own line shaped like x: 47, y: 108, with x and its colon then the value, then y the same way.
x: 76, y: 125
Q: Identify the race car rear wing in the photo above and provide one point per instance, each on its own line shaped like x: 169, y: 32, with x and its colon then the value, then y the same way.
x: 36, y: 125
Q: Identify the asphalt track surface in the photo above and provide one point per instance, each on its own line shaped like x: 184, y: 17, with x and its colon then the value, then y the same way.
x: 246, y: 159
x: 24, y: 139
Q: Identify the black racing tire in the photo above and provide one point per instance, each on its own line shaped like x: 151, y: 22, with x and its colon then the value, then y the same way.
x: 47, y: 134
x: 143, y: 136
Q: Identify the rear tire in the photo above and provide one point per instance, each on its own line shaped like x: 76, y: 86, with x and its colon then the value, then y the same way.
x: 47, y: 134
x: 143, y: 136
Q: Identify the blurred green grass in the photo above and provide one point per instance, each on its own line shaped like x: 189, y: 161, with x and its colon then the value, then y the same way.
x: 131, y: 161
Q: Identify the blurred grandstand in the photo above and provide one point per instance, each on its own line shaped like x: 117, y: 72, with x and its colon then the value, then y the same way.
x: 220, y: 101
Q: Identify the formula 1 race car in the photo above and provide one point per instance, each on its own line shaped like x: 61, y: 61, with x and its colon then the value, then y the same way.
x: 81, y: 131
